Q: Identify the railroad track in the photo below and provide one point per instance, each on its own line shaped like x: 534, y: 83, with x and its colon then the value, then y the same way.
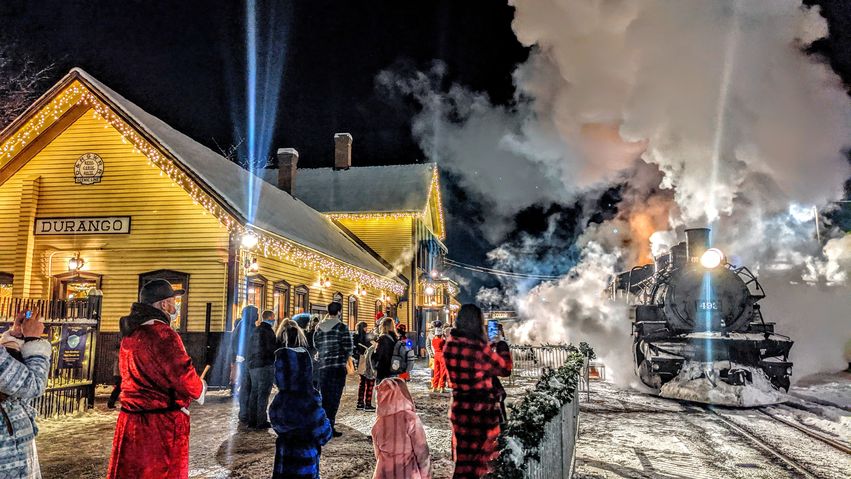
x: 771, y: 450
x: 809, y: 432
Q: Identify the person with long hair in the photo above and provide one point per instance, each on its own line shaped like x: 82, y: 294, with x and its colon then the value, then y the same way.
x: 290, y: 335
x: 475, y: 414
x: 384, y: 350
x: 365, y: 386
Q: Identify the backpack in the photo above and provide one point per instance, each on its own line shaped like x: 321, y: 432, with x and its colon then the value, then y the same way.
x: 403, y: 358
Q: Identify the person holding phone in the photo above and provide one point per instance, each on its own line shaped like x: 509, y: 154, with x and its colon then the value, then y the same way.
x: 24, y: 363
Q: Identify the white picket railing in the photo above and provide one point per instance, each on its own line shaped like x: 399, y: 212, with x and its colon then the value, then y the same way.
x: 557, y: 451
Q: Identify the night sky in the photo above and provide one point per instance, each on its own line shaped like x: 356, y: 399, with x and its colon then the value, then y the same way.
x: 185, y: 63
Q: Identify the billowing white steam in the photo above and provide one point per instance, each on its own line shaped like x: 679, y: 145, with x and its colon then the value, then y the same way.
x: 720, y: 89
x: 747, y: 130
x: 575, y: 309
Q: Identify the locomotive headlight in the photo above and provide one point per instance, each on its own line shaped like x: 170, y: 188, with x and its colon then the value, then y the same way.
x: 711, y: 258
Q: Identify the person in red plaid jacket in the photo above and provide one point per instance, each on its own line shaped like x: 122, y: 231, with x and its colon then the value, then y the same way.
x: 475, y: 413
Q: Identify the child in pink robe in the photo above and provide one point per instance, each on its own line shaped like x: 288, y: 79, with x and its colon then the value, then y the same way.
x: 398, y: 436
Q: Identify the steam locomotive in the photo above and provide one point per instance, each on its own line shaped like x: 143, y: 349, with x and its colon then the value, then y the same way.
x: 691, y: 305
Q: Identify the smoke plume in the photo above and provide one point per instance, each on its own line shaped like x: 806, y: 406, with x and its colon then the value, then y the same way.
x: 706, y: 112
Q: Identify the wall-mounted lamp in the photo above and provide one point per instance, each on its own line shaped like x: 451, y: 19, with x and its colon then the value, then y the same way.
x: 249, y: 240
x: 429, y: 290
x: 76, y: 263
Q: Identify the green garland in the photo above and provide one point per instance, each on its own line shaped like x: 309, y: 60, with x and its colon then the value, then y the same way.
x: 522, y: 435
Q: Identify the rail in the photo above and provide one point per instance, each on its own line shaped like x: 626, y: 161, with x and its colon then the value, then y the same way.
x: 539, y: 439
x: 72, y: 328
x: 532, y: 361
x: 558, y: 447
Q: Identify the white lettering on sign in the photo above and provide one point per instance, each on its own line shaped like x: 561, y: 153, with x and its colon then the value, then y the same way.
x: 75, y: 226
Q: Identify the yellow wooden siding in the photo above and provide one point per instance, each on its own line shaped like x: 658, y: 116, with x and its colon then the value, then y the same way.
x: 275, y: 270
x: 391, y: 238
x: 168, y: 231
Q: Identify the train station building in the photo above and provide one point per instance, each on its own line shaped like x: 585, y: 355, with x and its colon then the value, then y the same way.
x: 98, y: 196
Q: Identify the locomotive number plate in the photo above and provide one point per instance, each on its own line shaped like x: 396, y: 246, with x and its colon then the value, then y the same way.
x: 708, y: 305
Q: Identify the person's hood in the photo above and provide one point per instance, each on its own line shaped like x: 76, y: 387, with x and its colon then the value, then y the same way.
x: 328, y: 323
x: 140, y: 313
x: 293, y: 370
x: 393, y: 397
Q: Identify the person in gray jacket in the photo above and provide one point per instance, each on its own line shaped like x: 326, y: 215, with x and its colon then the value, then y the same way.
x: 20, y: 382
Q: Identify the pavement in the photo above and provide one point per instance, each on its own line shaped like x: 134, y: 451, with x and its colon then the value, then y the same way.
x: 79, y: 446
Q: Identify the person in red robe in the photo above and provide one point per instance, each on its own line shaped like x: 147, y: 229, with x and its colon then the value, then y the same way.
x: 158, y: 382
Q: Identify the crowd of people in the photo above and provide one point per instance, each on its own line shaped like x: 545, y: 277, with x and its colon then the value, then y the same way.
x: 307, y: 359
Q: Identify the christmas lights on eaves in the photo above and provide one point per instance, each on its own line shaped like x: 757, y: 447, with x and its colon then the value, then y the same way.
x: 284, y: 249
x: 391, y: 215
x: 395, y: 215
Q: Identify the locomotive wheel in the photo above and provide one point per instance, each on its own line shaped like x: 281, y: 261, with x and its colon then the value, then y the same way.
x: 648, y: 377
x: 781, y: 383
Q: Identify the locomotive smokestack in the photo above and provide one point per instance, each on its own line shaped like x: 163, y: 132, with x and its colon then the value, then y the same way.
x: 697, y: 242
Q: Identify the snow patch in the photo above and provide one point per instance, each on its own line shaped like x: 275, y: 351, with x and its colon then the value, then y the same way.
x: 692, y: 384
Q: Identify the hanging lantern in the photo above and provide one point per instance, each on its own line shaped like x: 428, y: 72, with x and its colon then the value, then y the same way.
x: 76, y: 263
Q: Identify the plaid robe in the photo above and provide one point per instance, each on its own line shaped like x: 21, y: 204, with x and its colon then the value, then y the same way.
x: 472, y: 364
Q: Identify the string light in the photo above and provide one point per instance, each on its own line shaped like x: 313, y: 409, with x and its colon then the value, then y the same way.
x: 435, y: 185
x: 273, y: 245
x: 395, y: 215
x: 390, y: 215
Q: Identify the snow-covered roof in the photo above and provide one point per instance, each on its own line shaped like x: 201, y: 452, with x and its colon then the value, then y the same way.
x: 278, y: 212
x: 363, y: 188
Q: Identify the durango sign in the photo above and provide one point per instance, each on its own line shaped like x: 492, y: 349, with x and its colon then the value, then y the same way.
x: 73, y: 226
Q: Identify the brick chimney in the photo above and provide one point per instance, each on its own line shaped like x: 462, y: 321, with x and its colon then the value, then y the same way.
x: 342, y: 151
x: 287, y: 164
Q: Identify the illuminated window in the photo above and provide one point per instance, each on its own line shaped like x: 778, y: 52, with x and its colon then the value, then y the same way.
x: 379, y: 306
x: 178, y: 280
x: 302, y: 295
x: 281, y: 300
x: 6, y: 280
x: 255, y: 292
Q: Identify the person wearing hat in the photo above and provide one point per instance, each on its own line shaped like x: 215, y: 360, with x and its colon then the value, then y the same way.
x: 158, y: 382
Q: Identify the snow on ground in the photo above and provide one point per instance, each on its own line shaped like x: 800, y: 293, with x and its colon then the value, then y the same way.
x: 629, y: 434
x: 78, y: 447
x: 827, y: 389
x: 692, y: 384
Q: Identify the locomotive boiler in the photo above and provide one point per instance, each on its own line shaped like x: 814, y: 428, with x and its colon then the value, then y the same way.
x: 692, y: 307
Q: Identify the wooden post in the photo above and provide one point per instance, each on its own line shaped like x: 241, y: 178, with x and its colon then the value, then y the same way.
x: 208, y: 319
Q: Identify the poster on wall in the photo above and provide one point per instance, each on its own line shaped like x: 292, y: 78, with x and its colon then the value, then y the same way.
x: 72, y: 346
